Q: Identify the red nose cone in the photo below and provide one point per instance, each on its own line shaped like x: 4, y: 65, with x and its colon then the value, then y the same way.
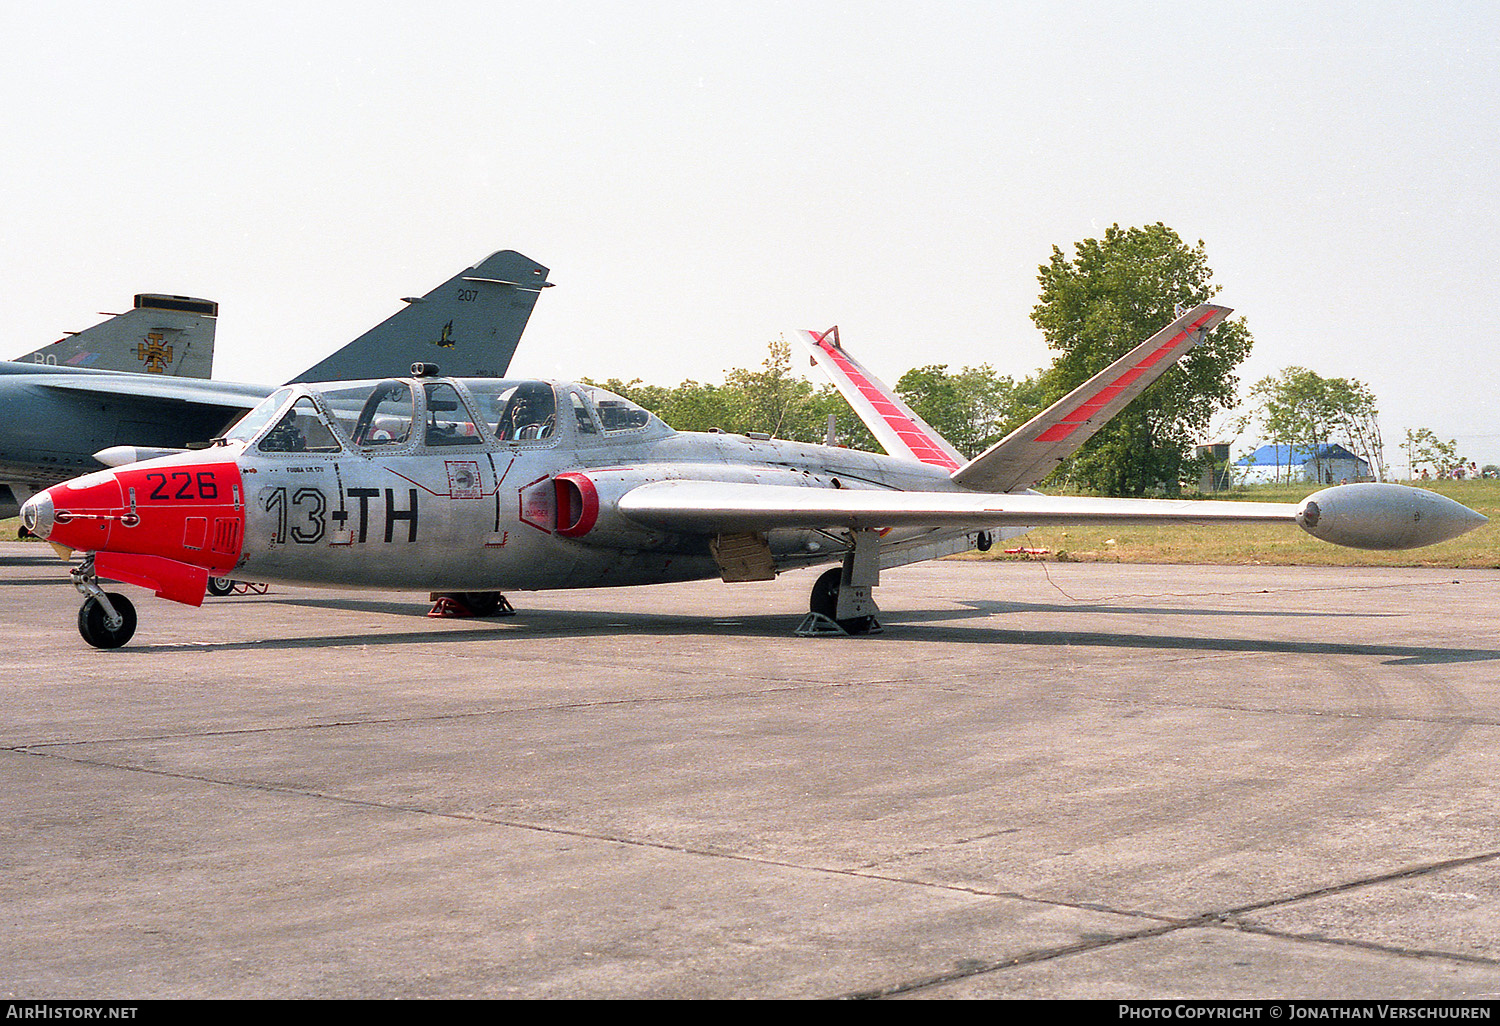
x: 86, y: 511
x: 164, y: 524
x: 187, y: 509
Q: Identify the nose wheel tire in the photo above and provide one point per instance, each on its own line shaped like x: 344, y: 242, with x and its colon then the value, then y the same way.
x: 93, y: 622
x: 220, y: 586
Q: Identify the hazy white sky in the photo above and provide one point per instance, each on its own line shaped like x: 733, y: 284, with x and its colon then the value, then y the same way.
x: 703, y: 177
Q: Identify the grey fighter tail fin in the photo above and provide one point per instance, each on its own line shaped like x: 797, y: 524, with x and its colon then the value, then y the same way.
x: 469, y: 326
x: 169, y: 335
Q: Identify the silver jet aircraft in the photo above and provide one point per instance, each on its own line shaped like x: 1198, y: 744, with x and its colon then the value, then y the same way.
x: 67, y: 408
x: 472, y: 487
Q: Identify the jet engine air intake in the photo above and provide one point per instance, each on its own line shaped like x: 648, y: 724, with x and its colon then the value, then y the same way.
x: 577, y: 505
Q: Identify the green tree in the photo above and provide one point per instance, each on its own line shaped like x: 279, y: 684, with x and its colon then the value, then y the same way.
x: 1424, y: 450
x: 1301, y: 408
x: 969, y: 408
x: 1113, y: 293
x: 849, y: 431
x: 690, y: 406
x: 773, y: 400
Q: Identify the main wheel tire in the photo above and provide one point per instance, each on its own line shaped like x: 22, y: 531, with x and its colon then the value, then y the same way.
x: 480, y: 603
x: 96, y: 632
x: 825, y: 593
x: 825, y: 600
x: 220, y: 586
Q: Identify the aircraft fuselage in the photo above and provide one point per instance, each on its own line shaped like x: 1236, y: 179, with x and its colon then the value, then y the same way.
x: 442, y: 509
x: 51, y: 434
x: 499, y: 518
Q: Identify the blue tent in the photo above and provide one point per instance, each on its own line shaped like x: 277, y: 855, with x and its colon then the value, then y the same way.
x: 1327, y: 463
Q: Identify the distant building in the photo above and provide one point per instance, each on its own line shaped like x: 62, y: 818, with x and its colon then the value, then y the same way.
x: 1324, y: 464
x: 1215, y: 476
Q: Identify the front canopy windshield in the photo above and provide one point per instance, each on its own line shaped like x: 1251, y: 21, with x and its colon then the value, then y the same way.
x: 300, y: 429
x: 248, y: 426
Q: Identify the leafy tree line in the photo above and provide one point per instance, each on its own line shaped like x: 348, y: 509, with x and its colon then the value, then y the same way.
x: 1429, y: 455
x: 972, y: 408
x: 1301, y: 408
x: 1094, y: 305
x: 774, y: 400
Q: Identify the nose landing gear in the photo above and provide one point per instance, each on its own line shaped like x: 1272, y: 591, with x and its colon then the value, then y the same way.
x: 106, y: 619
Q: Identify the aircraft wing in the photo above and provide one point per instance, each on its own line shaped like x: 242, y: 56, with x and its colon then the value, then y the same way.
x: 185, y: 390
x: 1033, y: 450
x: 711, y: 507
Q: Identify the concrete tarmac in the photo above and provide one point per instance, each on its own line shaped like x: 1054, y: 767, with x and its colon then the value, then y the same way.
x: 1054, y: 780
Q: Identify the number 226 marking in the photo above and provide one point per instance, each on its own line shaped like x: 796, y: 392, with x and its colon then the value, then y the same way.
x: 183, y: 485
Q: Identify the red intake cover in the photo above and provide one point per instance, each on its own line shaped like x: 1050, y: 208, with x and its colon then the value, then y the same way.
x: 577, y: 505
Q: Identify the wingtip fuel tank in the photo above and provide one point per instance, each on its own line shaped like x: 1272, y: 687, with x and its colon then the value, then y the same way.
x: 1384, y: 516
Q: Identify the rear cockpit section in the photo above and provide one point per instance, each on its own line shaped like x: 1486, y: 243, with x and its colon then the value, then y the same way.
x: 449, y: 422
x: 604, y: 418
x: 542, y: 413
x: 516, y: 411
x: 374, y: 417
x: 617, y: 414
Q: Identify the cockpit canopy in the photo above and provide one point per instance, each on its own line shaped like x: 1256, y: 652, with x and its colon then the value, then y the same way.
x: 402, y: 414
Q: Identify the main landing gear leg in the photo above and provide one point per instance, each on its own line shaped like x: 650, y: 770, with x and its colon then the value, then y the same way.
x: 106, y: 619
x: 841, y: 601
